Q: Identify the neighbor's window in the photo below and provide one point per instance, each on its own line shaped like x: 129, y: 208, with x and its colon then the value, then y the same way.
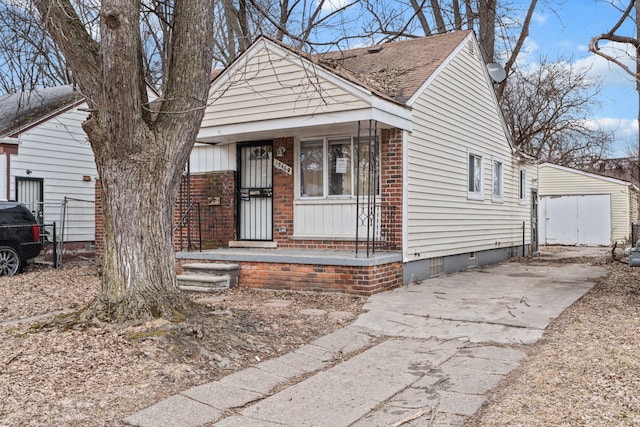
x: 334, y: 161
x: 523, y: 185
x: 498, y: 179
x: 475, y: 175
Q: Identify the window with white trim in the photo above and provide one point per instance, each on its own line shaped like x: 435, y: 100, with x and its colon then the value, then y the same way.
x: 523, y: 185
x: 497, y: 192
x: 327, y: 167
x: 475, y: 182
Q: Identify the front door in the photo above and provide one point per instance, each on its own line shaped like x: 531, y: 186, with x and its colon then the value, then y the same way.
x: 29, y: 191
x: 255, y: 191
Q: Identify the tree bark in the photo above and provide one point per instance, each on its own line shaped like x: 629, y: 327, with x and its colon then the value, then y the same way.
x: 487, y: 26
x: 140, y: 148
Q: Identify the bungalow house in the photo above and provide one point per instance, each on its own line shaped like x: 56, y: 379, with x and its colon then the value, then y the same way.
x: 46, y: 161
x: 582, y: 208
x: 360, y: 170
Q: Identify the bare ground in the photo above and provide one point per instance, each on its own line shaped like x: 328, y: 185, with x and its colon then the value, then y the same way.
x: 585, y: 371
x: 97, y: 376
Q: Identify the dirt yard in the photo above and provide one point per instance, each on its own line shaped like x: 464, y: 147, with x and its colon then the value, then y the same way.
x: 586, y: 370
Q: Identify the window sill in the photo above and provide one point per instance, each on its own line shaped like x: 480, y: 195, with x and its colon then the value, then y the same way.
x: 475, y: 196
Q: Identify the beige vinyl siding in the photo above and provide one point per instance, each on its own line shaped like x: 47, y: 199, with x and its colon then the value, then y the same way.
x: 271, y: 86
x: 457, y: 115
x: 559, y: 181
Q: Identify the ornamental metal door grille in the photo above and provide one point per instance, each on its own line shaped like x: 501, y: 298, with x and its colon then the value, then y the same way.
x: 255, y: 191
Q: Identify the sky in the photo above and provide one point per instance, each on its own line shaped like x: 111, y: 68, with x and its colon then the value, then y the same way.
x: 565, y: 32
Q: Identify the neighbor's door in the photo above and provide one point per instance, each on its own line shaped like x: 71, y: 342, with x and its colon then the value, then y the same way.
x: 30, y: 192
x: 255, y: 191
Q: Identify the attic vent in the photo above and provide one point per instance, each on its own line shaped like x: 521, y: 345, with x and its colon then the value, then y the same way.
x: 374, y: 49
x: 471, y: 48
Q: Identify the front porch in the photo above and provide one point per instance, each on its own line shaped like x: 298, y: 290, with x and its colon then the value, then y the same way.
x: 314, y: 270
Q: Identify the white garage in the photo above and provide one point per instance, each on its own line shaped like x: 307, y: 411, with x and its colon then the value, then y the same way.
x: 581, y: 208
x: 575, y: 220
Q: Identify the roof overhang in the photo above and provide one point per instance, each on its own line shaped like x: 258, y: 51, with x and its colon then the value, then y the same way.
x: 385, y: 113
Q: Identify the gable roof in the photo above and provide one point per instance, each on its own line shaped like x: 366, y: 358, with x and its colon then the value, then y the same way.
x: 23, y: 109
x: 396, y: 69
x: 589, y: 174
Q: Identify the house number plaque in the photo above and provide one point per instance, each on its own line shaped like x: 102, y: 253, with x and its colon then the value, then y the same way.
x: 282, y: 166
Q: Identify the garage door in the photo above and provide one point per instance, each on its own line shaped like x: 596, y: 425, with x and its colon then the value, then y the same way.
x: 576, y: 220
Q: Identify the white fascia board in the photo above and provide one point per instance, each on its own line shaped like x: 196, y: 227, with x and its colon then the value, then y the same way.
x: 401, y: 122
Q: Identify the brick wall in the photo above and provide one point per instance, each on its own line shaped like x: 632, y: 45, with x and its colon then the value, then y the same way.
x: 355, y: 280
x: 391, y: 184
x: 283, y: 194
x: 215, y: 194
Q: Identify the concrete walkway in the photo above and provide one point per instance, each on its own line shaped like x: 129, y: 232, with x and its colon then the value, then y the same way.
x: 424, y: 353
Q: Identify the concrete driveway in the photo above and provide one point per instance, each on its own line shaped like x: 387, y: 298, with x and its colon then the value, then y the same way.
x: 424, y: 354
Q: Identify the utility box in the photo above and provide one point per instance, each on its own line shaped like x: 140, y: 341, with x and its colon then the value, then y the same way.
x: 634, y: 255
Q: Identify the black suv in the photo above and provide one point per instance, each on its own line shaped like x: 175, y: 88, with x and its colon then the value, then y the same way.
x: 19, y: 237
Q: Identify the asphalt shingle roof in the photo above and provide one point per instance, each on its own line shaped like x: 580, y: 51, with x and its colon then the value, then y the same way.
x: 21, y: 109
x: 397, y: 69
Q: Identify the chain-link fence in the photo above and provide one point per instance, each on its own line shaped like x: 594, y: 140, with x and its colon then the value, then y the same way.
x: 73, y: 223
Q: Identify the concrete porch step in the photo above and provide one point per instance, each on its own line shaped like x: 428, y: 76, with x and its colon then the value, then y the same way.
x: 209, y: 276
x: 203, y: 282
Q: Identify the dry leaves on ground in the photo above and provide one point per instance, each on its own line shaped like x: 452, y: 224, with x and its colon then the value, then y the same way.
x: 97, y: 376
x: 585, y: 370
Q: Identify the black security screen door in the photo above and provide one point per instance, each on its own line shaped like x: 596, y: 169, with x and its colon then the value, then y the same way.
x: 29, y: 191
x: 255, y: 191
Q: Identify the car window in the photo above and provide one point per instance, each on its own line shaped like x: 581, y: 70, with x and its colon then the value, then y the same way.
x: 15, y: 215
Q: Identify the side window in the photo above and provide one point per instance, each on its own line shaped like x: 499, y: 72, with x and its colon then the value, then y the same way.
x: 497, y: 192
x: 475, y: 176
x: 523, y: 185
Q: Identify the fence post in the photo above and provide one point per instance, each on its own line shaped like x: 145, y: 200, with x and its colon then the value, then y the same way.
x: 55, y: 247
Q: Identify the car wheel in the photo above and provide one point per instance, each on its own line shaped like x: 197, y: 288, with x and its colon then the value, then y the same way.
x: 9, y: 261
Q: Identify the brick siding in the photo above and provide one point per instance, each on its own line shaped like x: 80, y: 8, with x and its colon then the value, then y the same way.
x: 354, y: 280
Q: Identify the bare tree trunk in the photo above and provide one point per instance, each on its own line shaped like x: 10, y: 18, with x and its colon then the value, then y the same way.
x: 139, y: 150
x: 457, y: 15
x: 437, y: 15
x: 417, y: 9
x: 487, y: 24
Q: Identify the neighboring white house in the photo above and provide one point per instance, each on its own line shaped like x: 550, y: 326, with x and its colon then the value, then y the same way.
x: 45, y: 159
x: 581, y: 208
x: 451, y: 191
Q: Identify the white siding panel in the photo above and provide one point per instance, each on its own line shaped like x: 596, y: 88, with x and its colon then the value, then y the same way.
x: 272, y: 87
x: 455, y: 114
x: 327, y: 219
x: 213, y: 158
x: 58, y: 152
